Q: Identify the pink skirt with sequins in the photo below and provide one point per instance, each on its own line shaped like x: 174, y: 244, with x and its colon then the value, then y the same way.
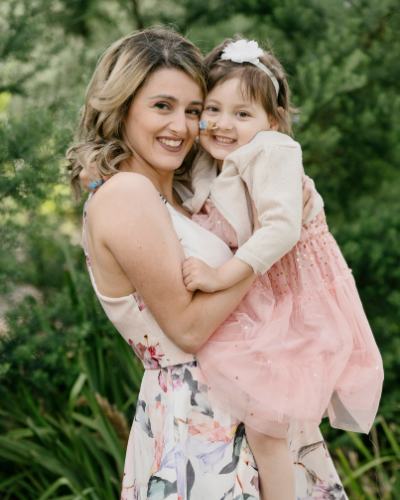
x: 298, y: 346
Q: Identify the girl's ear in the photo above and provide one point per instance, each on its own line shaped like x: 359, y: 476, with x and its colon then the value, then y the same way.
x: 272, y: 120
x: 273, y: 124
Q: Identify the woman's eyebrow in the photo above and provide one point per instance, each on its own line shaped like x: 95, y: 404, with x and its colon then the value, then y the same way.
x: 174, y: 99
x: 165, y: 96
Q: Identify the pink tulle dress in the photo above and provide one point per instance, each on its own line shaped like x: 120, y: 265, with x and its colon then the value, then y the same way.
x: 299, y: 346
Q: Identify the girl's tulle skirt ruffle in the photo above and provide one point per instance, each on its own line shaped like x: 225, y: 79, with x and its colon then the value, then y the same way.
x: 298, y: 347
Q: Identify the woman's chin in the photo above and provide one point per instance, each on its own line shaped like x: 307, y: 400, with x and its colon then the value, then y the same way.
x: 168, y: 166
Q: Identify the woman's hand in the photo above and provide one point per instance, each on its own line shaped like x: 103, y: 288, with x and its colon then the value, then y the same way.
x: 308, y: 197
x: 256, y: 222
x: 86, y: 179
x: 308, y: 201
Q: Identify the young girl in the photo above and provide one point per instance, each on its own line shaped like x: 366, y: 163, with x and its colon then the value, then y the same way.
x: 299, y: 345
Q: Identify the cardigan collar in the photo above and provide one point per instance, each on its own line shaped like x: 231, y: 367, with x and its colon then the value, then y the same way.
x: 204, y: 172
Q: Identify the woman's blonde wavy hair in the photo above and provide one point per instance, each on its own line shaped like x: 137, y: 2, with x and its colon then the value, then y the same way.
x: 122, y: 70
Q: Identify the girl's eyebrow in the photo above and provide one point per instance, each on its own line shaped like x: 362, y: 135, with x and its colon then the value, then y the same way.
x: 236, y: 105
x: 244, y: 104
x: 175, y: 100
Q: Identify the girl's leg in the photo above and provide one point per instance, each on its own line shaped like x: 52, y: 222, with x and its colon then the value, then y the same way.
x: 275, y: 466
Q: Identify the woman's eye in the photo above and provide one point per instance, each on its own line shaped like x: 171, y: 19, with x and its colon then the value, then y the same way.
x: 193, y: 111
x: 162, y: 105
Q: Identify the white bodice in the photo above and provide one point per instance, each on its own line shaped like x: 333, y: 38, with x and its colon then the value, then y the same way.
x: 130, y: 315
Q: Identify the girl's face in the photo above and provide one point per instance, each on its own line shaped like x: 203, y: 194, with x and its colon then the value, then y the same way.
x: 237, y: 120
x: 162, y: 121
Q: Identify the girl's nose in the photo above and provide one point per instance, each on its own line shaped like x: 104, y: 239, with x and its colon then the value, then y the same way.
x: 224, y: 122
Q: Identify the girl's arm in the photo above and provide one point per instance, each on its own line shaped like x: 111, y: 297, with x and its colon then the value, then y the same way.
x: 128, y: 217
x: 271, y: 167
x: 197, y: 275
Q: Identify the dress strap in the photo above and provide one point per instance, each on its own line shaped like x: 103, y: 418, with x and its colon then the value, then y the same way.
x: 84, y: 241
x: 162, y: 197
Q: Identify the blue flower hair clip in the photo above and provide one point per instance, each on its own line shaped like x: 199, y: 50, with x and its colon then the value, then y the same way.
x: 207, y: 126
x: 94, y: 185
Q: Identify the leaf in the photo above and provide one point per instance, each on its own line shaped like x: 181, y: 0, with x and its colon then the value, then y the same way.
x: 369, y: 465
x: 75, y: 391
x: 190, y: 479
x: 305, y: 450
x: 229, y: 468
x: 311, y: 481
x: 62, y: 481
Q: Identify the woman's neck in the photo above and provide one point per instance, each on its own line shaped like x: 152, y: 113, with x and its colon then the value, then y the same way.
x: 219, y: 165
x: 162, y: 180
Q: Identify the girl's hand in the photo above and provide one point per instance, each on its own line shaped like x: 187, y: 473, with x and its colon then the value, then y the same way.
x: 86, y: 179
x: 197, y: 275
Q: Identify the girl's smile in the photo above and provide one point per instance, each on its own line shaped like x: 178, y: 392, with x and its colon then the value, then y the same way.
x: 223, y: 141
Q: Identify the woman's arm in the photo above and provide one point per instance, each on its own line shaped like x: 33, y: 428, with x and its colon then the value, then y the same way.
x: 128, y: 217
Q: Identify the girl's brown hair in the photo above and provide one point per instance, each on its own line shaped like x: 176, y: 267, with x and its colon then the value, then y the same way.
x: 254, y: 83
x: 122, y: 70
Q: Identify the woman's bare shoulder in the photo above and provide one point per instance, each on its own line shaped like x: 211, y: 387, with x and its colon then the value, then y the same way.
x: 128, y: 183
x: 125, y: 190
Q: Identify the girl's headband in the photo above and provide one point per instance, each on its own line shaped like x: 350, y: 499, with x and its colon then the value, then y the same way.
x: 245, y: 51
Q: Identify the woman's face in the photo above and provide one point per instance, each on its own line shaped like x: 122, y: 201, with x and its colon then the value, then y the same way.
x: 163, y: 119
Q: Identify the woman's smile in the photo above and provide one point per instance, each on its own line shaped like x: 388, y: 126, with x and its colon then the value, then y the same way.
x: 173, y: 144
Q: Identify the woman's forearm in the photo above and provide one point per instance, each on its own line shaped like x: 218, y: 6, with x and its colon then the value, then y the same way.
x: 138, y: 232
x: 204, y: 314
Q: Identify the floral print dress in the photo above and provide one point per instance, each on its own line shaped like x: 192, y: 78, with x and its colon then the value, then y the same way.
x: 182, y: 447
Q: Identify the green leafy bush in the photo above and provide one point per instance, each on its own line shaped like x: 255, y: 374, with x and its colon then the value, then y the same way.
x: 63, y: 366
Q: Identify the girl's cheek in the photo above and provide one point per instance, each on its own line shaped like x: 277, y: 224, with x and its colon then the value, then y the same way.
x: 203, y: 140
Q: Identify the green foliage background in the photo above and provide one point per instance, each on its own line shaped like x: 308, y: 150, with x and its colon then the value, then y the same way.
x: 68, y: 384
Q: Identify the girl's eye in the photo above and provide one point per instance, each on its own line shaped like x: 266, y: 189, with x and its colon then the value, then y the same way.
x: 193, y: 111
x: 243, y: 114
x: 162, y: 105
x: 213, y: 109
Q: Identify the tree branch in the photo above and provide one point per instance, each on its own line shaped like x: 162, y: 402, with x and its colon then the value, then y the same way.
x: 136, y: 13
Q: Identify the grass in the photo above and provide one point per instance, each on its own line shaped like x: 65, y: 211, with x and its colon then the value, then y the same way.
x: 74, y: 451
x: 69, y: 444
x: 369, y: 467
x: 78, y: 454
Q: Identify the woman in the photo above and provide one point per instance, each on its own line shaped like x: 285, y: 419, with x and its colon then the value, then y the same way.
x: 140, y: 120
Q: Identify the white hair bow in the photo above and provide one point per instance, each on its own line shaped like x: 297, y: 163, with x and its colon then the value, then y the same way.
x: 246, y: 51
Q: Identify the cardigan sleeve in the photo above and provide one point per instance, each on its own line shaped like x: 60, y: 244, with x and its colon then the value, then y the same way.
x: 273, y: 175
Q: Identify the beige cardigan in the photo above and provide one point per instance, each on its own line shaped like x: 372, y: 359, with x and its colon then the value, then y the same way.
x: 271, y: 167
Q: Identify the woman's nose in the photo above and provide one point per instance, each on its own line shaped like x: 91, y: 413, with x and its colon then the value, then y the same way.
x: 179, y: 125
